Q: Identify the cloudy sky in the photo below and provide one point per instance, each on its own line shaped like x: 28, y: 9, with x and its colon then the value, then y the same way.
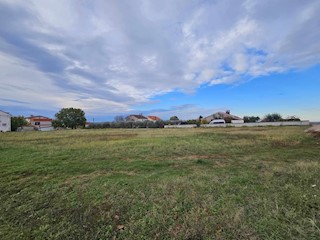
x: 168, y: 57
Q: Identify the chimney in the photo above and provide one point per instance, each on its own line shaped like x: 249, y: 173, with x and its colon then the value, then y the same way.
x: 228, y: 112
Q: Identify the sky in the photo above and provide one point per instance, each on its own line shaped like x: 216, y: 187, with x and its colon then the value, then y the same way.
x: 170, y: 57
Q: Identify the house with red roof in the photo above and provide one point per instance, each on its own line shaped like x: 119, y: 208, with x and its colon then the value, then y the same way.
x: 153, y: 118
x: 39, y: 122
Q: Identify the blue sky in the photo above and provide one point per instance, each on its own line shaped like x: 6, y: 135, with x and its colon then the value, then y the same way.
x: 164, y: 58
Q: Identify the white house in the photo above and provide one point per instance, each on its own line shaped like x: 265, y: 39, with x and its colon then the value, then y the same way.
x: 136, y: 118
x: 153, y: 118
x: 229, y: 118
x: 5, y: 121
x: 40, y: 122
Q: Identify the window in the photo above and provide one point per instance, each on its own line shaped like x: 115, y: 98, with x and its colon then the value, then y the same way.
x: 36, y: 123
x: 4, y: 124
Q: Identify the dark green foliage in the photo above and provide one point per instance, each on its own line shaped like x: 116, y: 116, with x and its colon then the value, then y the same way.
x: 274, y: 117
x: 249, y: 119
x: 16, y: 122
x: 292, y: 119
x: 174, y: 118
x: 70, y: 118
x: 192, y: 121
x: 203, y: 121
x: 145, y: 124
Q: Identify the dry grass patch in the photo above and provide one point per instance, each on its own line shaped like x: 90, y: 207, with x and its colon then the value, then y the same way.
x: 308, y: 165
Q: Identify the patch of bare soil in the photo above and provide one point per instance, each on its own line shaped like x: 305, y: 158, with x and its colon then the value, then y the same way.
x: 314, y: 130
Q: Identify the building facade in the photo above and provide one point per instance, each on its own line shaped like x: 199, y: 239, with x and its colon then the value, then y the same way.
x: 153, y: 118
x: 5, y: 121
x: 39, y: 122
x: 136, y: 118
x: 229, y: 118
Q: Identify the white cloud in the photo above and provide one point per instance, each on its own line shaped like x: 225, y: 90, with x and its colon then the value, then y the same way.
x: 240, y: 62
x: 112, y: 55
x: 22, y: 81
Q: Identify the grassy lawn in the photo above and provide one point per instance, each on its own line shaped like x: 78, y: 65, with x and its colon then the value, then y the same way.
x: 248, y: 183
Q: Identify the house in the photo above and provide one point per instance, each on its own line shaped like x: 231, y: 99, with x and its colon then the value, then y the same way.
x: 136, y: 118
x: 229, y: 118
x: 153, y: 118
x: 5, y: 121
x: 40, y: 122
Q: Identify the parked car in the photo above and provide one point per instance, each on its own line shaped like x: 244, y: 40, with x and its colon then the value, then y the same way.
x: 218, y: 121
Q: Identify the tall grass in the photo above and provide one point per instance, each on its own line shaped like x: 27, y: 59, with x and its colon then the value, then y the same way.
x: 259, y: 183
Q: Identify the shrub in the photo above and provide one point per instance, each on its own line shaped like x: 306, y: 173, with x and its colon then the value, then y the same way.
x: 292, y: 119
x: 249, y: 119
x: 274, y: 117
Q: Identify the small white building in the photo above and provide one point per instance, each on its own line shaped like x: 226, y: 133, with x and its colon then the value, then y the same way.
x: 5, y: 121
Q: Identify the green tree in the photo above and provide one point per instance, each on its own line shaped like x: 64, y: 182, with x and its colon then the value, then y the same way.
x: 70, y: 118
x: 174, y: 118
x: 248, y: 119
x: 203, y: 121
x: 292, y: 119
x: 16, y: 122
x: 192, y: 121
x: 274, y: 117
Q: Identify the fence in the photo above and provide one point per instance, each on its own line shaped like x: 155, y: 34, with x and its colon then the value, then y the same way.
x: 181, y: 126
x: 259, y: 124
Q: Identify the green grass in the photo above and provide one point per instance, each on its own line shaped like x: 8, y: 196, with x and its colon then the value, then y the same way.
x: 248, y: 183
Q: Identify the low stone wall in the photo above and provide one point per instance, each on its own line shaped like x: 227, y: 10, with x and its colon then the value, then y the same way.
x: 212, y: 125
x: 259, y: 124
x: 181, y: 126
x: 45, y: 129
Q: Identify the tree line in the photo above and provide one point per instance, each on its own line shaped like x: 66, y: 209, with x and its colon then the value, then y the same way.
x: 75, y: 118
x: 66, y: 118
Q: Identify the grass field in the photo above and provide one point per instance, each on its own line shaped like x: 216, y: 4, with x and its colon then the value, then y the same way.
x: 257, y: 183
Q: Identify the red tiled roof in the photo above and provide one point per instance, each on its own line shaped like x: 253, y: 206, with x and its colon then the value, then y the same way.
x: 154, y: 118
x: 39, y: 118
